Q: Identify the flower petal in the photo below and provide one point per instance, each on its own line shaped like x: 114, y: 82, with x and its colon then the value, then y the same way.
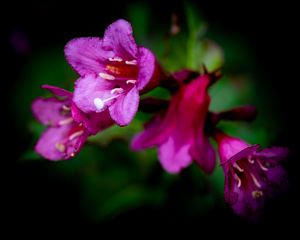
x: 154, y: 134
x: 174, y: 158
x: 48, y: 111
x: 86, y: 55
x: 146, y: 63
x: 60, y: 92
x: 274, y: 155
x: 204, y: 155
x: 118, y: 38
x: 125, y: 107
x: 93, y: 122
x: 52, y: 144
x: 88, y: 88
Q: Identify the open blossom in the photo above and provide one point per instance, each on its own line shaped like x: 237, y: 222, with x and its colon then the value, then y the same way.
x: 250, y: 175
x: 113, y: 70
x: 178, y: 131
x: 68, y: 127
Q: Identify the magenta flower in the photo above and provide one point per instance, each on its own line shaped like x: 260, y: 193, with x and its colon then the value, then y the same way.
x: 113, y: 70
x: 250, y: 175
x: 68, y: 127
x: 178, y: 132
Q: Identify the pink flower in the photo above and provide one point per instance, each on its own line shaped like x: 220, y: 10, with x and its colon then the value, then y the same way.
x: 113, y: 70
x: 178, y: 131
x: 250, y: 175
x: 68, y: 127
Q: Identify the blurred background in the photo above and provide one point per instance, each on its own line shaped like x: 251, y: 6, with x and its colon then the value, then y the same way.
x: 107, y: 183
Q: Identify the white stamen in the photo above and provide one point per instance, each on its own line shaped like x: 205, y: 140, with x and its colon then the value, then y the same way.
x: 72, y: 154
x: 106, y: 76
x: 117, y: 91
x: 238, y: 179
x: 257, y: 184
x: 257, y: 194
x: 65, y: 121
x: 76, y: 134
x: 60, y: 147
x: 66, y: 108
x: 262, y: 166
x: 238, y: 167
x: 131, y: 81
x: 132, y: 62
x: 115, y: 59
x: 250, y: 160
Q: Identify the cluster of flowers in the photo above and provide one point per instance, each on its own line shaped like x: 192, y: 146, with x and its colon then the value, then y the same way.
x: 114, y: 72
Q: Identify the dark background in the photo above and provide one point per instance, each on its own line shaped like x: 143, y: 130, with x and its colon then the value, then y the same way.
x: 269, y: 29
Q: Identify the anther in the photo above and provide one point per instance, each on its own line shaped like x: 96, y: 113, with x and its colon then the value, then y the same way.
x: 106, y: 76
x: 65, y: 121
x: 75, y: 135
x: 131, y: 81
x: 115, y: 59
x: 257, y: 194
x: 132, y: 62
x: 60, y: 147
x: 117, y: 91
x: 66, y: 108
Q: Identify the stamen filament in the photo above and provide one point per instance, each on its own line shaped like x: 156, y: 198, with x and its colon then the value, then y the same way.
x: 257, y: 184
x: 262, y: 166
x: 238, y: 167
x: 238, y: 179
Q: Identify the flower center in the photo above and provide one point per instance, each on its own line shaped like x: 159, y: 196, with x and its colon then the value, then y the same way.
x: 120, y: 69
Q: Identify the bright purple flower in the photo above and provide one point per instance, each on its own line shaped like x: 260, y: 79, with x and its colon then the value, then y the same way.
x: 68, y: 127
x: 178, y: 132
x: 113, y: 70
x: 250, y: 175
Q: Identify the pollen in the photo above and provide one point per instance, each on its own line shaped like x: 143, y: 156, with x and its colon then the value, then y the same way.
x: 113, y: 69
